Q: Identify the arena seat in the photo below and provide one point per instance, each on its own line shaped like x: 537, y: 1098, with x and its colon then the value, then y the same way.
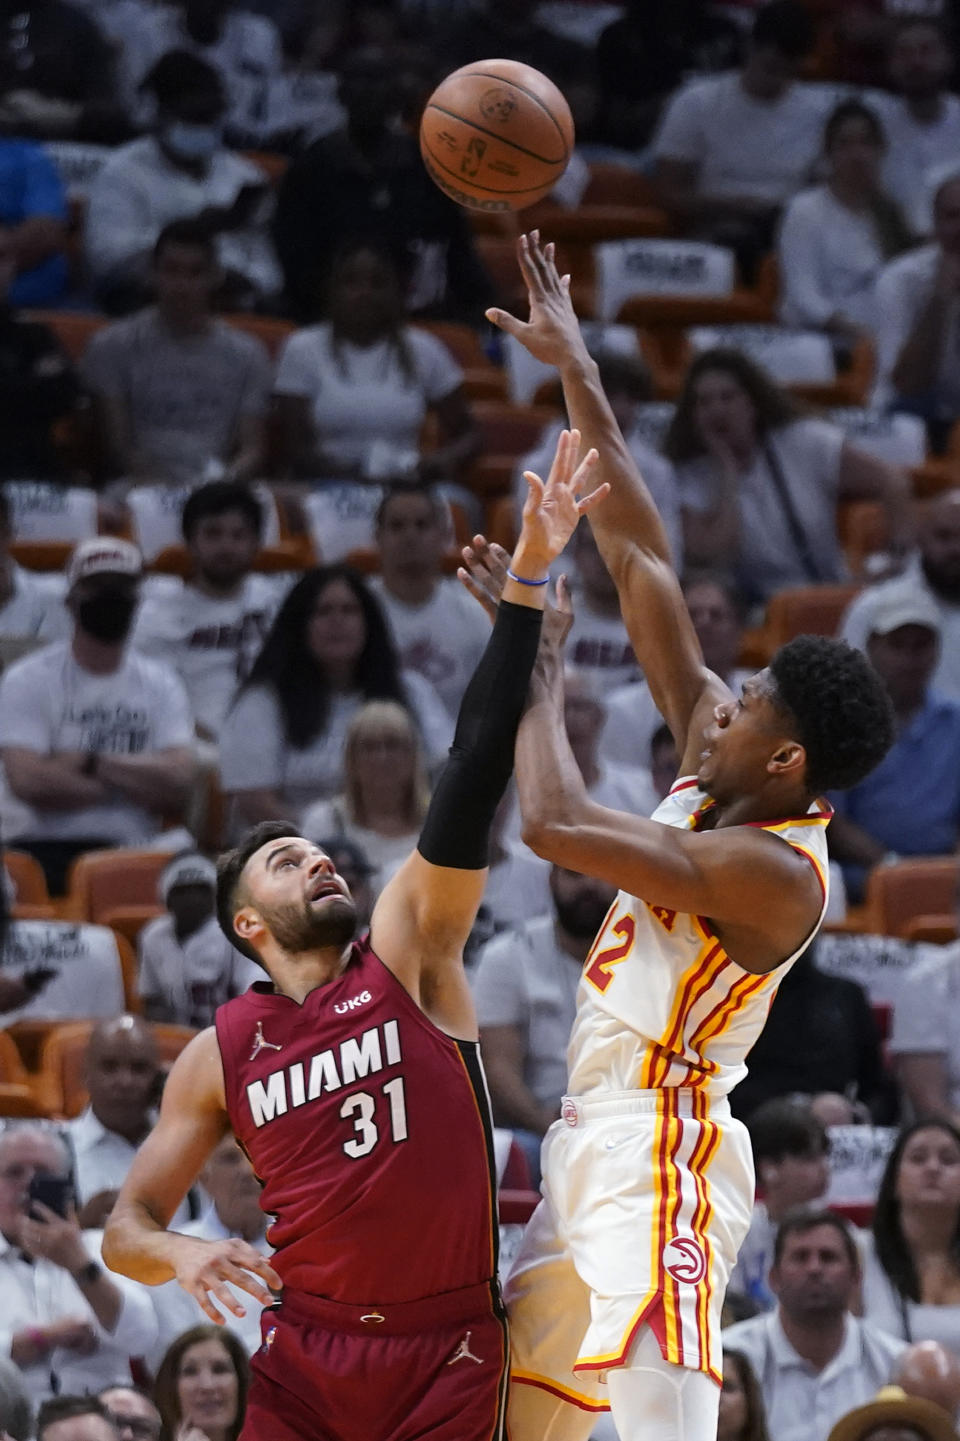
x: 283, y: 555
x: 936, y: 930
x: 920, y: 887
x: 482, y: 379
x: 804, y: 610
x: 592, y: 224
x: 12, y: 1069
x: 500, y: 521
x: 49, y: 555
x: 59, y: 1083
x: 613, y: 184
x: 864, y: 530
x: 128, y: 921
x: 20, y: 1102
x: 73, y: 328
x: 28, y: 878
x: 102, y: 880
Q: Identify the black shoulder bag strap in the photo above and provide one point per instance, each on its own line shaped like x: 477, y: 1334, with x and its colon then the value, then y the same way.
x: 797, y: 533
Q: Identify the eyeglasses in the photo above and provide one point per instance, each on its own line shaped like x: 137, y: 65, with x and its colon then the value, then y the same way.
x: 140, y: 1428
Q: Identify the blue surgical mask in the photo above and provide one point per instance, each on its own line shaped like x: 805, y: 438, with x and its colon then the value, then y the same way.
x: 193, y: 142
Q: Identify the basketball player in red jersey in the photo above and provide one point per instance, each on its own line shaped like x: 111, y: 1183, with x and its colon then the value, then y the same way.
x: 353, y: 1081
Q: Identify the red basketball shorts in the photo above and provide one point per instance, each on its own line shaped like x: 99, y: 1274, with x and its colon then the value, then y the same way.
x: 434, y: 1368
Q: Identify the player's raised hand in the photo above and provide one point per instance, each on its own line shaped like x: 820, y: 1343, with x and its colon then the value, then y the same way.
x: 483, y: 574
x: 552, y: 510
x: 552, y: 334
x: 204, y: 1269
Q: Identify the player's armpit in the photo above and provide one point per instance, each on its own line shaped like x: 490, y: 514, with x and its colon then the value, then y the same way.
x: 193, y: 1119
x: 761, y: 896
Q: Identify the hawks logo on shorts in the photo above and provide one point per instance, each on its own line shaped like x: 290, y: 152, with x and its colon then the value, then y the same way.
x: 685, y: 1260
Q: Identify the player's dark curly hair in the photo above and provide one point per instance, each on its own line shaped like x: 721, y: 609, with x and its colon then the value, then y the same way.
x: 843, y: 714
x: 230, y: 867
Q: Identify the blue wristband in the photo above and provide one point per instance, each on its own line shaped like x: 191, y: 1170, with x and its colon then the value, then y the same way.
x: 520, y: 580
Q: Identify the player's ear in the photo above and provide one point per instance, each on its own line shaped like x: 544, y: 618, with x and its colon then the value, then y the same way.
x: 788, y: 760
x: 247, y: 924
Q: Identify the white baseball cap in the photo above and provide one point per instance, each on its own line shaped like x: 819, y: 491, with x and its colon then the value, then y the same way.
x: 103, y: 555
x: 890, y: 612
x: 191, y: 869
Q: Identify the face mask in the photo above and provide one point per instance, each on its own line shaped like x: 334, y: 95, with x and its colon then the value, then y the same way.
x: 193, y: 142
x: 108, y: 614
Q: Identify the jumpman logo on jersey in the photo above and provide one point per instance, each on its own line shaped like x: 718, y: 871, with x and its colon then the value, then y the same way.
x: 260, y: 1043
x: 463, y: 1352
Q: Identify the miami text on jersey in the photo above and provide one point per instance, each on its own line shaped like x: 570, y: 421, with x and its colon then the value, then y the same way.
x: 292, y: 1086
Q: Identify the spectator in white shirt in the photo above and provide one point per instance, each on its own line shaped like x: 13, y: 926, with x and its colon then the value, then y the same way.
x: 932, y: 575
x: 731, y: 149
x: 918, y: 322
x: 760, y: 481
x: 122, y: 1074
x: 27, y: 607
x: 598, y: 646
x: 386, y: 790
x: 328, y: 651
x: 923, y: 120
x: 64, y: 1321
x: 911, y: 1256
x: 438, y: 630
x: 632, y: 718
x: 210, y: 627
x: 16, y: 1413
x: 187, y: 966
x: 228, y: 1179
x: 96, y: 740
x: 179, y: 393
x: 525, y: 989
x: 925, y: 1043
x: 836, y: 238
x: 181, y: 171
x: 813, y: 1359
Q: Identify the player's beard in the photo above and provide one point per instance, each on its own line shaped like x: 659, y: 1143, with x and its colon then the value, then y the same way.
x: 298, y: 927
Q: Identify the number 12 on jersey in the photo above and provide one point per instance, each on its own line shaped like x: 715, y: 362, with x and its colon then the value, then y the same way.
x: 361, y: 1108
x: 599, y: 967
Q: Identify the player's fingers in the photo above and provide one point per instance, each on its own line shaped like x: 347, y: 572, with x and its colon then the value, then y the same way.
x: 591, y: 501
x: 584, y: 469
x: 254, y: 1287
x: 535, y: 489
x: 506, y: 322
x: 478, y: 592
x: 226, y: 1297
x: 563, y: 595
x: 249, y: 1259
x: 527, y: 267
x: 206, y: 1305
x: 537, y: 262
x: 498, y: 555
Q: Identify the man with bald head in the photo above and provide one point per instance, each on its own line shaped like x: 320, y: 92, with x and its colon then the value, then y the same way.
x: 123, y: 1079
x: 928, y: 1370
x: 64, y: 1321
x: 934, y: 572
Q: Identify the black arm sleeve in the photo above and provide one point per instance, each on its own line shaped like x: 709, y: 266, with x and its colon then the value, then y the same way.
x: 456, y: 831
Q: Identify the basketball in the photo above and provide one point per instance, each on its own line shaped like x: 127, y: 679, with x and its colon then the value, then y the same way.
x: 496, y: 135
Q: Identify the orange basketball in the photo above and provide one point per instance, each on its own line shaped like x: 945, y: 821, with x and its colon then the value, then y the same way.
x: 496, y: 135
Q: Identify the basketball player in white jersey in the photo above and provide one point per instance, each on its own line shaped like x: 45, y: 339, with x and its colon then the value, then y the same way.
x: 648, y: 1183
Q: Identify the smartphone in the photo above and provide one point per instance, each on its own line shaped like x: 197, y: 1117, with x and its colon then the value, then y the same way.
x: 54, y: 1192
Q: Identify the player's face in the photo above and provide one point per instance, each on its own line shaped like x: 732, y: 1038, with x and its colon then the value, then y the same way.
x: 746, y: 733
x: 207, y: 1387
x: 295, y: 891
x: 929, y: 1173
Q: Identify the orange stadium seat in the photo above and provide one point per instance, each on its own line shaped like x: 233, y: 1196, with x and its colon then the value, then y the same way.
x: 28, y: 878
x: 73, y: 328
x: 482, y: 379
x: 102, y: 880
x: 49, y: 555
x: 12, y: 1069
x: 128, y: 921
x: 20, y: 1102
x: 593, y: 224
x: 921, y: 887
x: 507, y: 433
x: 864, y: 529
x: 936, y: 930
x: 60, y: 1085
x: 612, y: 184
x: 804, y: 610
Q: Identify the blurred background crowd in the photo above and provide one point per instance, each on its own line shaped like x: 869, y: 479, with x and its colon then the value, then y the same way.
x: 249, y: 408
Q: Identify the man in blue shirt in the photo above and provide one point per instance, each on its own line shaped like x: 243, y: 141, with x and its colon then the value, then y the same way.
x: 33, y: 207
x: 910, y: 805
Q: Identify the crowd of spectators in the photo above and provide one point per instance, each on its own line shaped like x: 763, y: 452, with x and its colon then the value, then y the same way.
x: 249, y: 405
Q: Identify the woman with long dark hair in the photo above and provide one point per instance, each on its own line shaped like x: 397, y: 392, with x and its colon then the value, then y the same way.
x: 201, y: 1386
x: 743, y: 1416
x: 835, y: 238
x: 760, y: 480
x: 327, y: 653
x: 911, y: 1259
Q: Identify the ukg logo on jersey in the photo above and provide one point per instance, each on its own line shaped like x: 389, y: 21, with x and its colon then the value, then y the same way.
x: 343, y: 1008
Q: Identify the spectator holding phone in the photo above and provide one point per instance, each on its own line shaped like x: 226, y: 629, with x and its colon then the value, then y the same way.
x: 66, y: 1323
x: 181, y: 170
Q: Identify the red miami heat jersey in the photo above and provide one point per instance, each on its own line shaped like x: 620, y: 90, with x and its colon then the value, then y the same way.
x: 370, y: 1131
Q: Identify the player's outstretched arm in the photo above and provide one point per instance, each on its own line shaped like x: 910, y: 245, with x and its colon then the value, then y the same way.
x: 628, y: 528
x: 136, y: 1243
x: 760, y: 896
x: 424, y: 915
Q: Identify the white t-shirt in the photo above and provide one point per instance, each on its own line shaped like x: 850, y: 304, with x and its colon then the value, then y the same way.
x: 87, y: 979
x: 385, y: 853
x: 442, y: 639
x: 911, y: 1320
x: 857, y: 623
x: 926, y: 1018
x: 518, y: 886
x: 193, y: 978
x: 48, y: 704
x: 599, y: 647
x: 361, y: 395
x: 809, y: 453
x: 743, y: 146
x: 632, y: 720
x: 830, y: 258
x: 32, y: 608
x: 254, y: 753
x: 211, y: 642
x: 903, y: 289
x: 915, y: 153
x: 102, y: 1159
x: 139, y: 191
